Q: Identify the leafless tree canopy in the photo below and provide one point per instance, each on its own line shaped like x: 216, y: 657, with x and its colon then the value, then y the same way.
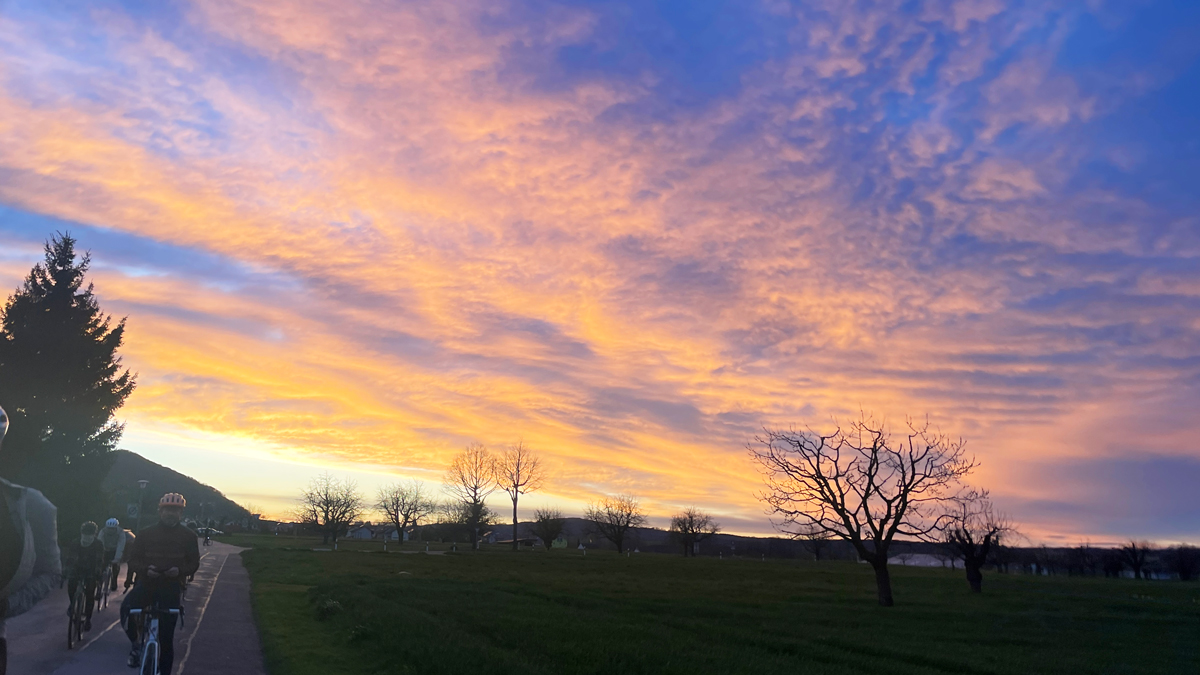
x: 973, y: 529
x: 405, y: 505
x: 330, y: 505
x: 860, y: 484
x: 1184, y: 560
x: 548, y: 525
x: 518, y: 471
x: 692, y: 526
x: 815, y: 540
x: 613, y: 517
x: 1134, y: 555
x: 470, y: 479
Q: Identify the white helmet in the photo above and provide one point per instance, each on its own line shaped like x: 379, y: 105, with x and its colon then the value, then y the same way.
x: 3, y: 423
x: 112, y: 522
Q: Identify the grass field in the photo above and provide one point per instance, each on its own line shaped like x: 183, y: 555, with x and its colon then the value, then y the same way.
x: 563, y: 612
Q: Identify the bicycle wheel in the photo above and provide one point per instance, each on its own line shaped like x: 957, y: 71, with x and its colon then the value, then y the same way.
x: 75, y: 621
x: 150, y: 659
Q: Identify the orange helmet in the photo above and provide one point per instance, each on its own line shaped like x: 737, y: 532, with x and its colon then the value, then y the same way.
x: 172, y: 499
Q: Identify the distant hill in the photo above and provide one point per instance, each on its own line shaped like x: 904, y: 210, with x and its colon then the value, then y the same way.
x: 121, y: 487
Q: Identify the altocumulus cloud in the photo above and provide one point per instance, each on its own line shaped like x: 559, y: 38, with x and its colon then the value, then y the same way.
x: 630, y: 234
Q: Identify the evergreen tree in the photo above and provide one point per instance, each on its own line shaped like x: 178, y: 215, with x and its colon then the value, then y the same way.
x: 61, y: 382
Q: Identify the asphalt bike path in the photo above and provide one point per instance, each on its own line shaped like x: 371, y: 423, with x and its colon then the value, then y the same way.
x: 218, y: 636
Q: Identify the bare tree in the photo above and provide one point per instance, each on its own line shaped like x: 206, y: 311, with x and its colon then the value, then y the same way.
x: 470, y: 479
x: 518, y: 472
x: 1083, y: 560
x: 548, y: 525
x: 405, y: 505
x: 1184, y: 560
x: 860, y: 485
x: 972, y: 531
x: 455, y: 518
x: 692, y: 526
x: 1134, y: 555
x: 613, y: 517
x: 816, y: 541
x: 330, y: 505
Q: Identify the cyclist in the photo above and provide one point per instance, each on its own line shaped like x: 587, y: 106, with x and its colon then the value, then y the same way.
x: 114, y: 549
x: 163, y: 556
x: 85, y: 562
x: 29, y: 560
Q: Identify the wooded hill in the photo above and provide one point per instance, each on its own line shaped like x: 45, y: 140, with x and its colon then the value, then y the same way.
x: 120, y: 487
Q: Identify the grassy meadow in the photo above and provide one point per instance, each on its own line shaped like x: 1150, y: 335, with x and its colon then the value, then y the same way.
x: 359, y: 610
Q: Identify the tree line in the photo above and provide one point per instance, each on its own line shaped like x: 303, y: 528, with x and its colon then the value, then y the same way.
x: 331, y: 506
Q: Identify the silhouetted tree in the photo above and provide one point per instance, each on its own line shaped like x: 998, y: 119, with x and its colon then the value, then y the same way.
x: 816, y: 541
x: 860, y: 485
x: 457, y: 519
x: 1184, y: 560
x: 1112, y: 563
x: 1083, y: 560
x: 405, y: 505
x: 61, y: 382
x: 470, y: 479
x: 613, y: 517
x: 1049, y: 561
x: 330, y: 505
x: 972, y: 530
x: 548, y: 525
x: 1134, y: 555
x: 518, y: 472
x: 692, y: 526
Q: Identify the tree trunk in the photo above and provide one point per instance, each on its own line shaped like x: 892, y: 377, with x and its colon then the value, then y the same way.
x: 514, y: 524
x: 974, y: 574
x: 883, y: 581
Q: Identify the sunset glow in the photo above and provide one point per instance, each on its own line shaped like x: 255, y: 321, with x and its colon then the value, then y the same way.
x: 364, y: 235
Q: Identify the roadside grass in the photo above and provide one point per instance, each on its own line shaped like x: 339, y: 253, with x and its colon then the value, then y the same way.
x: 562, y: 612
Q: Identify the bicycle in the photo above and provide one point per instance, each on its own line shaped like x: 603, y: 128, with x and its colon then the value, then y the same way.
x: 75, y: 615
x: 148, y: 619
x: 102, y: 591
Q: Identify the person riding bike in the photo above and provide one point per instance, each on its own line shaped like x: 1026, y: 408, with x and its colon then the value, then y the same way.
x: 114, y: 549
x: 163, y: 556
x: 30, y: 564
x: 85, y: 562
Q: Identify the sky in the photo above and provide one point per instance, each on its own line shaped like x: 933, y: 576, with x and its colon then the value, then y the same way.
x: 358, y: 236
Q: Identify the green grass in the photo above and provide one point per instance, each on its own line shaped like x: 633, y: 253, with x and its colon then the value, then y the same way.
x: 562, y: 612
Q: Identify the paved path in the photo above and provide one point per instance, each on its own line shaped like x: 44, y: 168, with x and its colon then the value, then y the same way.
x: 219, y: 636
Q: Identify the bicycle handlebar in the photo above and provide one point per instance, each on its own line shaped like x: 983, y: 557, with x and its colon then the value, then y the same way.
x: 173, y: 610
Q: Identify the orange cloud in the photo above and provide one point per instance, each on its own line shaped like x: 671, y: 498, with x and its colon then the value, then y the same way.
x: 443, y: 239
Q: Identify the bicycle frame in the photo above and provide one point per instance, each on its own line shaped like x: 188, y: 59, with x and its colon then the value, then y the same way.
x: 148, y: 629
x: 75, y: 616
x: 105, y: 580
